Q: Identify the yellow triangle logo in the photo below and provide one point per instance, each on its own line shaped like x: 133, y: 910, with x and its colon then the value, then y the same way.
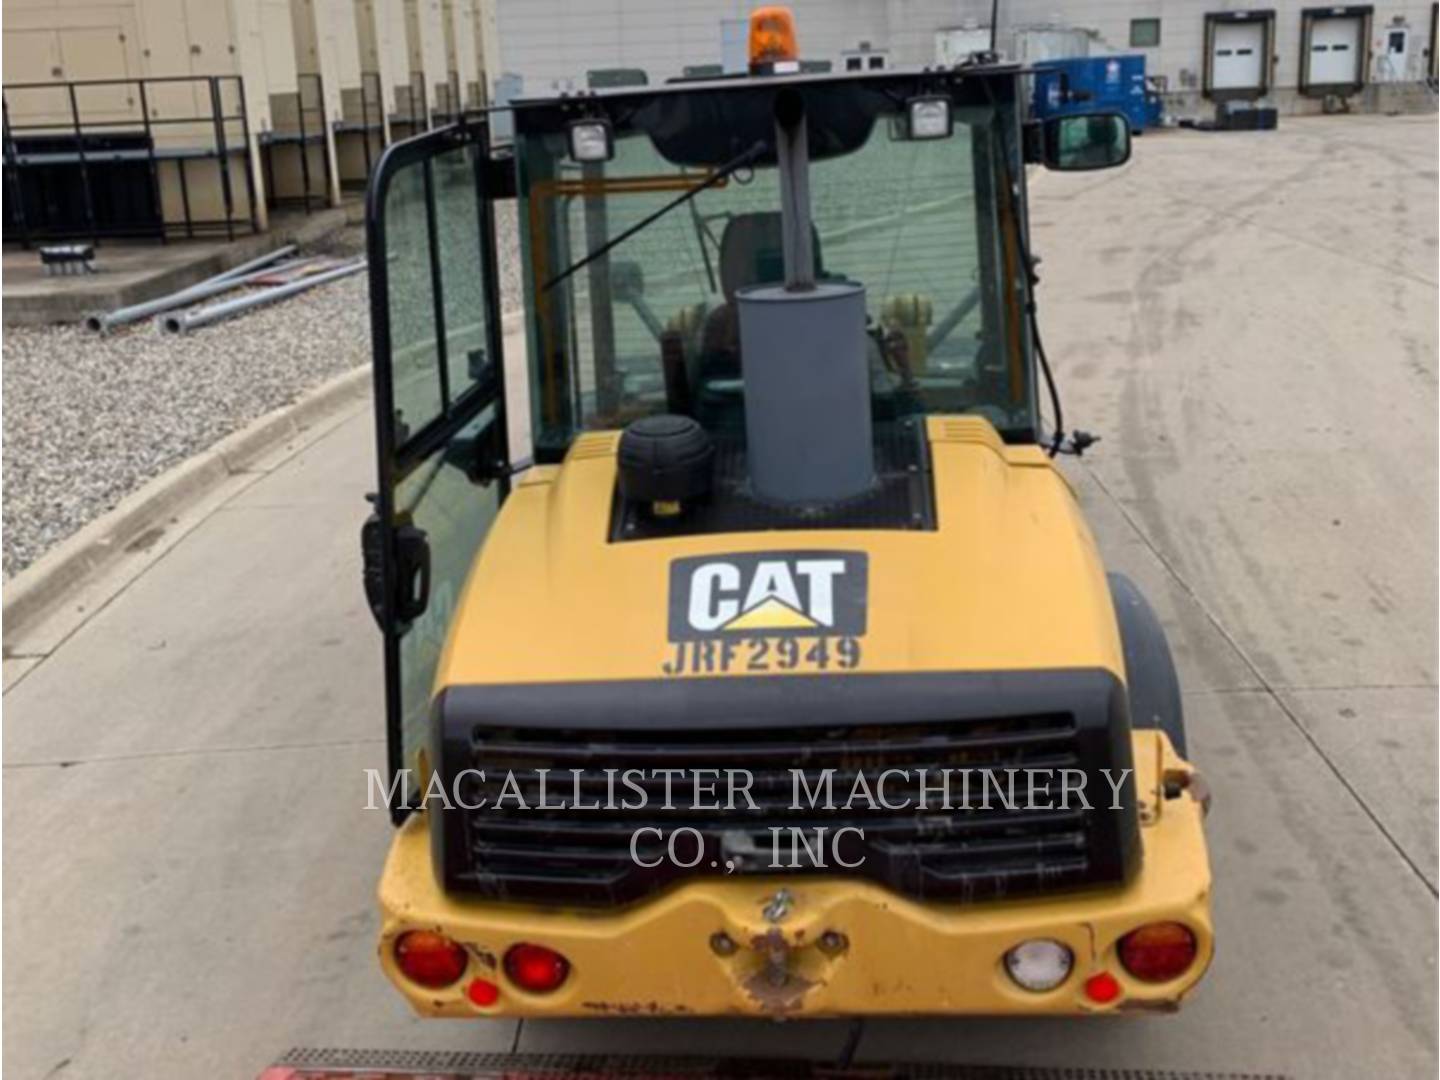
x: 771, y: 614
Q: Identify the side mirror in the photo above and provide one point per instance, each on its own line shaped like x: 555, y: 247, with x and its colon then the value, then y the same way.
x: 1085, y: 141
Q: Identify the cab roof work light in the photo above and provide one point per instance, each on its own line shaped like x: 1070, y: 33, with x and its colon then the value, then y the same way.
x: 929, y: 117
x: 772, y: 42
x: 592, y: 140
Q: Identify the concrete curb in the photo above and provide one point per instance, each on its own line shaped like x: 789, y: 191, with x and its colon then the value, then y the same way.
x: 48, y: 582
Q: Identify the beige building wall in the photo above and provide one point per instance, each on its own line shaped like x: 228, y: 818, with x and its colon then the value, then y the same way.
x: 1179, y: 58
x: 487, y: 47
x: 340, y: 18
x: 372, y: 29
x: 365, y: 93
x: 397, y: 41
x: 60, y: 41
x: 425, y: 40
x: 551, y: 44
x: 317, y: 54
x: 460, y: 56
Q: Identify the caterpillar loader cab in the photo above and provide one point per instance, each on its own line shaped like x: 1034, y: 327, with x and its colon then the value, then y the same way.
x: 763, y: 663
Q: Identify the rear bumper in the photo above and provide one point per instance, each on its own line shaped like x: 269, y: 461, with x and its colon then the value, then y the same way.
x: 846, y: 947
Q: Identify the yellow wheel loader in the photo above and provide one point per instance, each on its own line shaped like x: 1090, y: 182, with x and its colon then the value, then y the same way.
x: 753, y: 657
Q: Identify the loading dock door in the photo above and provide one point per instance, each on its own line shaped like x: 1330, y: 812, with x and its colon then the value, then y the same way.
x: 1238, y: 56
x: 1335, y: 50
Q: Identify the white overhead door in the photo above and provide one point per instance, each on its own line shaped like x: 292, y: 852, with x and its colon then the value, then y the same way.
x: 1239, y: 56
x: 1335, y: 51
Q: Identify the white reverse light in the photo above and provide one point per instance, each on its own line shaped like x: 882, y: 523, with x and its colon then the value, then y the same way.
x: 591, y: 140
x: 1039, y: 964
x: 929, y: 117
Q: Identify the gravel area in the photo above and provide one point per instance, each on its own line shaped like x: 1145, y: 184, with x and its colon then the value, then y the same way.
x: 89, y: 419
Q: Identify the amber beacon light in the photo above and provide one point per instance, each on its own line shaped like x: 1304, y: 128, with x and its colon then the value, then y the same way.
x: 772, y: 40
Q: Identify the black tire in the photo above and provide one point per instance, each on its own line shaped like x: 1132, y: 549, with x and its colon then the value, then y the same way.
x: 1154, y: 688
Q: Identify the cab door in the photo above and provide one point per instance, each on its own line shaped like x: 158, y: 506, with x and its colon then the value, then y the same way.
x: 439, y: 413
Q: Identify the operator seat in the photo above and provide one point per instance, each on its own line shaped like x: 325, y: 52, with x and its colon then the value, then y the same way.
x: 751, y: 253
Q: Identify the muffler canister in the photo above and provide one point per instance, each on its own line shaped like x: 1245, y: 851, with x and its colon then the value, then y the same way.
x: 807, y: 392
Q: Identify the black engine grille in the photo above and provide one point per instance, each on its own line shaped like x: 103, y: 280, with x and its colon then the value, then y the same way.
x: 970, y: 851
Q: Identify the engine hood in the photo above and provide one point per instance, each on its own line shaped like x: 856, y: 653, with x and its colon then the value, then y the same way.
x: 1009, y: 579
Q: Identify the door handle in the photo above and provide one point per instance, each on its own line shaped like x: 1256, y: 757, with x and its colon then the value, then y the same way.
x: 411, y: 548
x: 412, y: 572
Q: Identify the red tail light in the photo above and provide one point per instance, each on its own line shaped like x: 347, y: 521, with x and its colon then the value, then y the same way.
x: 535, y: 968
x: 1102, y: 988
x: 430, y: 959
x: 482, y: 992
x: 1158, y: 952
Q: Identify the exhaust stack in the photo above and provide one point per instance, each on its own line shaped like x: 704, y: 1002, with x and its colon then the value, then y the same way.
x: 802, y: 348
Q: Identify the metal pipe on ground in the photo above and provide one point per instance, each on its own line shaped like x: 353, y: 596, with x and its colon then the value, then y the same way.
x: 256, y: 263
x: 192, y: 320
x: 210, y: 287
x: 102, y: 322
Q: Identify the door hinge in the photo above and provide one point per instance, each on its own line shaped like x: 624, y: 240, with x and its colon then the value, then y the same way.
x: 500, y: 469
x: 483, y: 458
x: 499, y: 175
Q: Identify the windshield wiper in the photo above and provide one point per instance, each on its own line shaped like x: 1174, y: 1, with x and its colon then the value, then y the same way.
x: 733, y: 165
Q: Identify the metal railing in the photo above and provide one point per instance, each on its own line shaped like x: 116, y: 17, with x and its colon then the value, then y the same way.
x: 37, y: 153
x: 415, y: 116
x: 372, y: 118
x: 448, y: 105
x: 304, y: 134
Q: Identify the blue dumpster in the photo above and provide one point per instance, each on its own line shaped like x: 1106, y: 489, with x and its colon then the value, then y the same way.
x: 1096, y: 84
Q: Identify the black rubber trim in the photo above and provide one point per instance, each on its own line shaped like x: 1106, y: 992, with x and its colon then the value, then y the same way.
x: 1154, y: 687
x: 772, y: 701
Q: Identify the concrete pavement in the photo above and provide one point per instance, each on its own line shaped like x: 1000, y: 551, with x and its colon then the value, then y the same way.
x: 1250, y: 322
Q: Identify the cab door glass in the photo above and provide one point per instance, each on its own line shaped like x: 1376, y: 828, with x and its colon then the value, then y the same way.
x: 439, y: 410
x: 459, y: 245
x: 438, y: 310
x: 455, y: 513
x: 414, y: 351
